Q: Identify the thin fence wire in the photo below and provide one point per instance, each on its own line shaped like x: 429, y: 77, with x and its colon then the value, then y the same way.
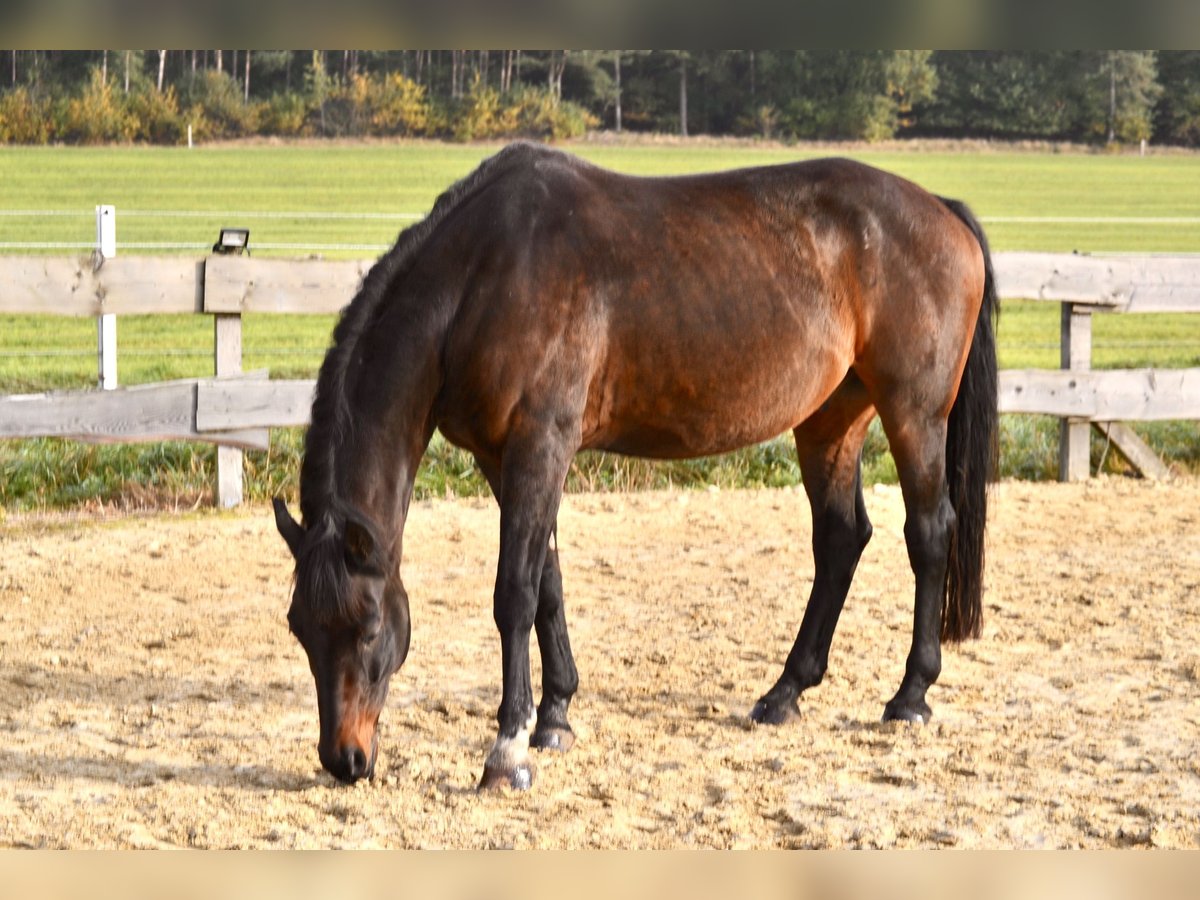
x: 413, y: 216
x: 271, y: 214
x: 38, y: 213
x: 186, y: 245
x: 205, y: 246
x: 224, y: 215
x: 314, y: 350
x: 1092, y: 220
x: 47, y: 245
x: 216, y: 214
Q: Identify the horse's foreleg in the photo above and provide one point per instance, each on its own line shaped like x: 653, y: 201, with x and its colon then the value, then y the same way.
x: 829, y: 446
x: 560, y: 679
x: 532, y: 473
x: 920, y: 452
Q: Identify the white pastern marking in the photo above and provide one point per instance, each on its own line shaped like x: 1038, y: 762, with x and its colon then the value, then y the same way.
x: 509, y: 753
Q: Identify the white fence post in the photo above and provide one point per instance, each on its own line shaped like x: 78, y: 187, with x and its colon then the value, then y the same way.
x: 227, y: 338
x: 106, y: 325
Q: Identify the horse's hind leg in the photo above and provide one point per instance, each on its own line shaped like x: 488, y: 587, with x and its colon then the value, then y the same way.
x: 560, y: 679
x: 829, y: 445
x: 918, y: 443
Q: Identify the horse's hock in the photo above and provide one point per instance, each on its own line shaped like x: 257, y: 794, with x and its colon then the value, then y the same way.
x: 162, y: 702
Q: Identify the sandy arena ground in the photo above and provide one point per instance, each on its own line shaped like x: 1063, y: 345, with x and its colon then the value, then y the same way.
x: 150, y: 694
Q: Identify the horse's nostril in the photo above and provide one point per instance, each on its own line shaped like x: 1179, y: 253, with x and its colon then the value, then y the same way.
x: 356, y: 762
x: 347, y: 764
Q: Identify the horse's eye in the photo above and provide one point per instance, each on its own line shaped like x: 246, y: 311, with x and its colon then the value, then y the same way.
x: 375, y: 671
x: 369, y: 628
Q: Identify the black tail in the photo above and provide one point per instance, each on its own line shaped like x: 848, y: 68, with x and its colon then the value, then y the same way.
x: 971, y: 454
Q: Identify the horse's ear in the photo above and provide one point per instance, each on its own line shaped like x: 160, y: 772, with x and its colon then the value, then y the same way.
x: 293, y: 533
x: 361, y: 553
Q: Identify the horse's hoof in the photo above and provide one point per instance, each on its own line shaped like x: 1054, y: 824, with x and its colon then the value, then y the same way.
x: 519, y: 778
x: 766, y: 712
x: 918, y: 714
x: 560, y: 738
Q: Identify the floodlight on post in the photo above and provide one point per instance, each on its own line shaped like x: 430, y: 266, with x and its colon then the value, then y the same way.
x: 233, y: 241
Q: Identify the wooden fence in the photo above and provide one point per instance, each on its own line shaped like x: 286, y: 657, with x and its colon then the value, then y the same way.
x: 235, y: 410
x: 1084, y: 399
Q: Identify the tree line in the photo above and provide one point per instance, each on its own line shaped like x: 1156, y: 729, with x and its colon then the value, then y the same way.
x: 1100, y: 96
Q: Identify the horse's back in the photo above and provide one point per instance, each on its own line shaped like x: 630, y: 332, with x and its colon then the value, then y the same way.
x: 691, y: 315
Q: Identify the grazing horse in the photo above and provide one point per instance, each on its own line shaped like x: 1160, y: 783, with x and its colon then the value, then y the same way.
x: 545, y: 306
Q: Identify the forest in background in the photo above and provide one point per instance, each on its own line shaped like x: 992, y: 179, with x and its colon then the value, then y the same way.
x: 1102, y: 97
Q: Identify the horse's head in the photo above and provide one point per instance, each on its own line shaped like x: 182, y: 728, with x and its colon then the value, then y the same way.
x: 350, y: 613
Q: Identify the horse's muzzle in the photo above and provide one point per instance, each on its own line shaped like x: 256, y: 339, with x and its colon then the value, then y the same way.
x: 349, y: 763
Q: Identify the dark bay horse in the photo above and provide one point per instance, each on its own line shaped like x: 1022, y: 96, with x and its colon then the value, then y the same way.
x: 547, y: 306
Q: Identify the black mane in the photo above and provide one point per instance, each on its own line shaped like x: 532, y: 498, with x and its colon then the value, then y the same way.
x: 321, y: 568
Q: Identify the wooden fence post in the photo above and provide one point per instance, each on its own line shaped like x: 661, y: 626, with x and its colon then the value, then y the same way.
x: 227, y: 329
x: 106, y: 325
x: 1074, y: 459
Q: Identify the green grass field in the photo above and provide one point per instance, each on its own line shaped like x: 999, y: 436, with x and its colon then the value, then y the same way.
x: 38, y: 353
x: 406, y: 178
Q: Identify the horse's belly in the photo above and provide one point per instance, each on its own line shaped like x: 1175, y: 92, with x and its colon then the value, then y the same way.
x: 705, y: 369
x: 680, y: 421
x: 660, y: 440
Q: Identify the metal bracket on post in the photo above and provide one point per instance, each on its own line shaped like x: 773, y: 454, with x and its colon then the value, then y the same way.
x: 1074, y: 447
x: 106, y: 325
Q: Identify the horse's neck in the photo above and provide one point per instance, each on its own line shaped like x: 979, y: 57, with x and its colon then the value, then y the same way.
x: 393, y: 426
x: 381, y: 487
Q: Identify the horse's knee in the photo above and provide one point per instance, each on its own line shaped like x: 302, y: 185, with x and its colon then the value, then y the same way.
x: 549, y: 601
x: 839, y: 533
x: 514, y: 608
x: 550, y: 583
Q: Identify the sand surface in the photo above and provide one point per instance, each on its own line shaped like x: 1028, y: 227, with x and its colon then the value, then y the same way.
x: 150, y: 694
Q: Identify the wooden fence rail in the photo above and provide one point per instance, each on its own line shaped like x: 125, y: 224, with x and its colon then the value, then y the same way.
x: 85, y: 286
x: 166, y: 411
x: 234, y: 411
